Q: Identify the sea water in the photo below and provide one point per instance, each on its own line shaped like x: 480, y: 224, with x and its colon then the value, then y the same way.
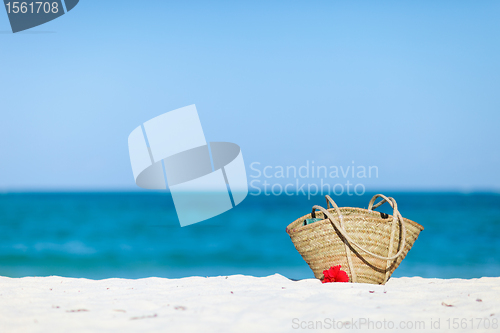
x: 135, y: 235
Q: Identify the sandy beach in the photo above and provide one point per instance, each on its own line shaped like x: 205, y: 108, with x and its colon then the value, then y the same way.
x: 246, y: 304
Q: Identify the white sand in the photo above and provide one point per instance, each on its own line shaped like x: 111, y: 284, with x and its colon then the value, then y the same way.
x: 245, y: 304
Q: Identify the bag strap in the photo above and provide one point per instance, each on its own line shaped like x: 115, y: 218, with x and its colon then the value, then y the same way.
x: 393, y: 230
x: 397, y: 216
x: 385, y: 199
x: 354, y: 277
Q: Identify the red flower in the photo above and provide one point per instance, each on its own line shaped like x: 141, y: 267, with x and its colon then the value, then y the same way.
x: 335, y: 274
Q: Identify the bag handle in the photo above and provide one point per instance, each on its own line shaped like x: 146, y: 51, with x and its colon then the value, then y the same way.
x: 328, y: 201
x: 354, y: 277
x: 397, y: 216
x: 385, y: 199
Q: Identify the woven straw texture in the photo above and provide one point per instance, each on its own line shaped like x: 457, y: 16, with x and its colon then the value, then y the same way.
x: 322, y: 245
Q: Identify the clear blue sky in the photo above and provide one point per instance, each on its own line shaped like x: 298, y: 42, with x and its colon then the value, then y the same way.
x: 411, y: 87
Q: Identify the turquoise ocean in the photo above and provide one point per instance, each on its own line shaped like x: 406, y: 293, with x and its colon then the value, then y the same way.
x: 136, y: 235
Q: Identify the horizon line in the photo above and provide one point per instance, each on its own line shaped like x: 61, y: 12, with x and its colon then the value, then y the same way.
x: 477, y: 190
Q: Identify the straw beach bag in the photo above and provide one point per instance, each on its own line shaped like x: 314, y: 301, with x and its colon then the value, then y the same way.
x: 369, y: 245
